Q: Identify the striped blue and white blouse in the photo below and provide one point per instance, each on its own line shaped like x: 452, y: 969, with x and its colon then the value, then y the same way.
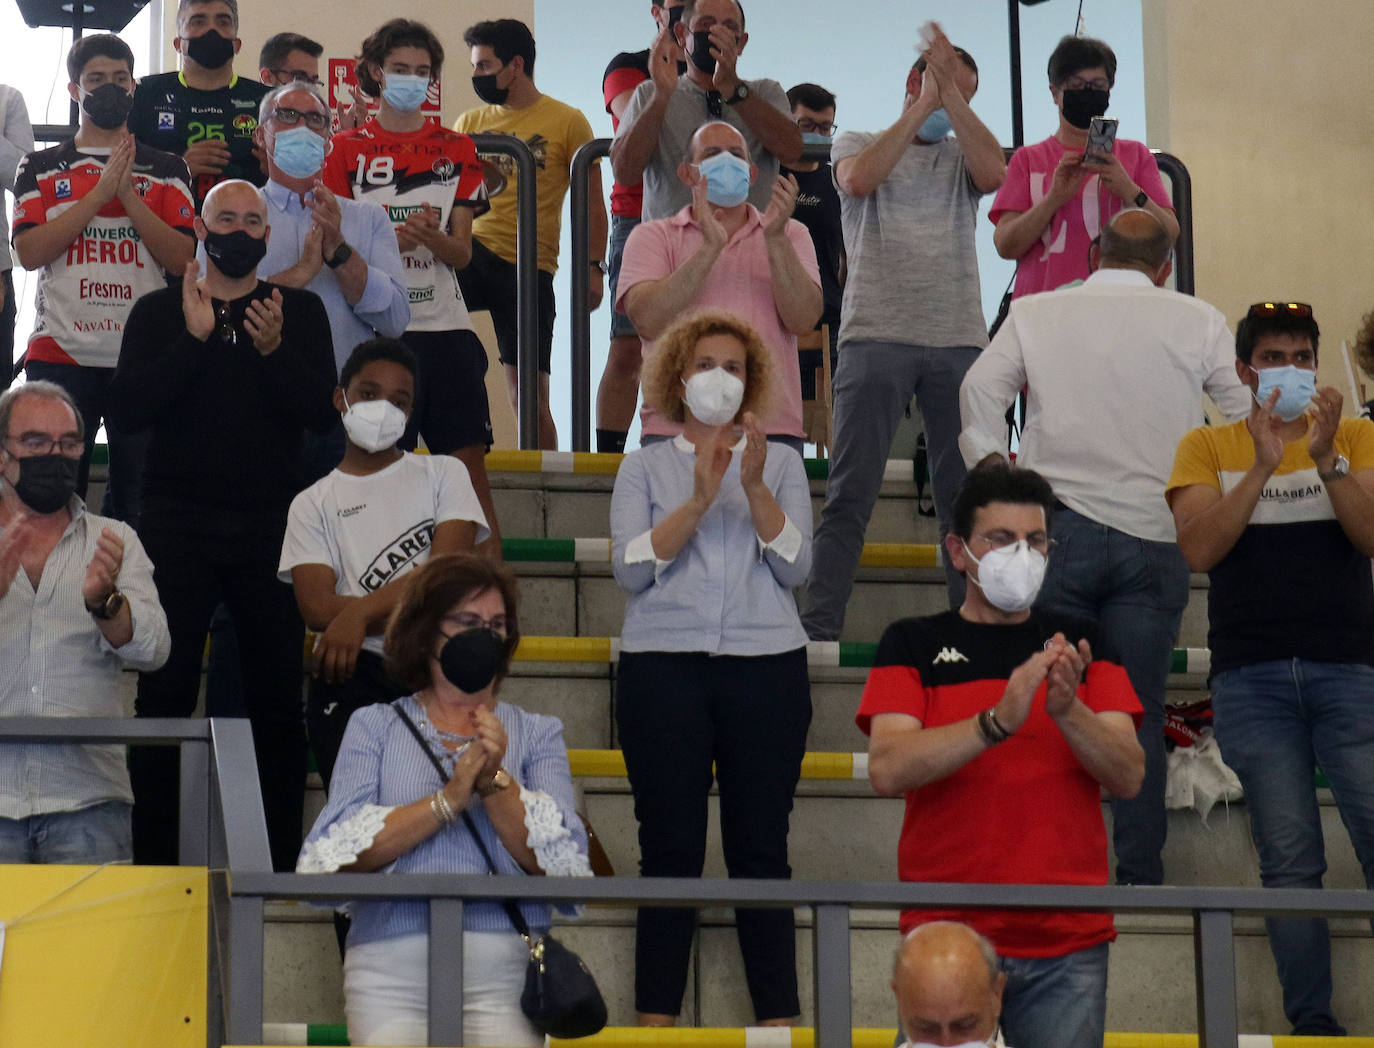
x: 381, y: 767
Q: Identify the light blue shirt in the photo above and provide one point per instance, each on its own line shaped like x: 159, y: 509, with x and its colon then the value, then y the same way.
x: 384, y: 308
x: 726, y: 592
x: 381, y: 766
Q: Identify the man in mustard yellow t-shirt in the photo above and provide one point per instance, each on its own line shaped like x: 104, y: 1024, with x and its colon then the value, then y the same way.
x: 503, y: 77
x: 1278, y: 509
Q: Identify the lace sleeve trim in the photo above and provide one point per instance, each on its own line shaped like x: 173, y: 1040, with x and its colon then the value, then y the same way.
x: 344, y: 841
x: 554, y: 848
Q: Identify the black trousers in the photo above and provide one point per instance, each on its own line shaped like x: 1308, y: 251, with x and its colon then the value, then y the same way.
x: 677, y: 715
x: 200, y: 560
x: 328, y: 707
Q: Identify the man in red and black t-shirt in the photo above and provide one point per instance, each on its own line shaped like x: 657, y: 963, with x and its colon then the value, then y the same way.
x: 103, y: 219
x: 619, y: 389
x: 1001, y: 726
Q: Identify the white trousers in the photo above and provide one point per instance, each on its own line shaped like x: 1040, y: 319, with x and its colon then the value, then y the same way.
x: 386, y: 991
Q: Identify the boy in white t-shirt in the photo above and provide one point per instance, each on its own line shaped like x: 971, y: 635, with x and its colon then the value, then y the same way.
x: 353, y: 534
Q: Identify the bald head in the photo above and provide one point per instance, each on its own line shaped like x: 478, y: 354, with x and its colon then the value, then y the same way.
x: 716, y: 136
x: 236, y: 195
x: 948, y: 986
x: 1135, y: 239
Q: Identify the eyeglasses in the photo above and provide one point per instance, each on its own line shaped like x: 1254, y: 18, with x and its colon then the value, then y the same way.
x: 225, y: 330
x: 1077, y: 83
x: 810, y: 126
x: 1265, y: 310
x: 1001, y: 540
x: 37, y: 444
x: 295, y: 76
x: 292, y: 117
x: 713, y: 104
x: 469, y: 620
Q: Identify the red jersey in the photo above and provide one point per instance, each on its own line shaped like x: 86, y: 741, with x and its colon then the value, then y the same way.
x: 626, y: 72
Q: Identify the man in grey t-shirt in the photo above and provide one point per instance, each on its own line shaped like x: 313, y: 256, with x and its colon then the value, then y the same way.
x: 912, y: 317
x: 665, y: 111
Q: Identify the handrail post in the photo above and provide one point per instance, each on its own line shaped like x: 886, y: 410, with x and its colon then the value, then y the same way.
x: 193, y: 839
x: 831, y: 975
x: 1214, y: 950
x: 581, y: 327
x: 1185, y: 273
x: 526, y: 279
x: 445, y: 971
x: 245, y: 969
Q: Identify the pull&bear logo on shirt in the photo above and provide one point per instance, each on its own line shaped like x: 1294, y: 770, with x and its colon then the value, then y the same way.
x: 397, y: 556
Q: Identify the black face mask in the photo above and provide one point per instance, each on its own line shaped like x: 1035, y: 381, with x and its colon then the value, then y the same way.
x: 235, y: 254
x: 209, y: 50
x: 46, y: 482
x: 485, y: 88
x: 701, y: 52
x: 1081, y: 105
x: 675, y: 15
x: 108, y: 106
x: 470, y: 659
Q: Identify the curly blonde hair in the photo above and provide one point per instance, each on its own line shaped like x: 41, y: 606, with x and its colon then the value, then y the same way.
x: 1364, y: 345
x: 663, y: 386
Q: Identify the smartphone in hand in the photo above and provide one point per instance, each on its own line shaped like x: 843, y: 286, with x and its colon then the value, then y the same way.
x: 1101, y: 139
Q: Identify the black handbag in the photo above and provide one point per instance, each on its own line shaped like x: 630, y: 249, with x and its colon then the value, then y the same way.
x: 561, y: 998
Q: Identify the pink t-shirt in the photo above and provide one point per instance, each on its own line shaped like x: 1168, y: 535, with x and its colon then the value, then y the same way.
x: 740, y: 282
x: 1061, y: 254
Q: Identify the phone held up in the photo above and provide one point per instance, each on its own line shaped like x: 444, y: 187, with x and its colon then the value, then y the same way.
x: 1101, y: 139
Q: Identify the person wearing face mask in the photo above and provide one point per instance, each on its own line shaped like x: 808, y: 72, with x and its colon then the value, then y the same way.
x: 226, y: 373
x: 77, y: 607
x: 1278, y: 509
x: 355, y: 535
x: 710, y: 531
x: 619, y: 389
x: 506, y: 788
x: 205, y: 113
x: 716, y: 252
x: 1055, y: 200
x: 985, y: 719
x: 104, y: 219
x: 948, y: 987
x: 911, y: 321
x: 431, y: 183
x: 694, y: 78
x: 1116, y: 369
x: 503, y: 54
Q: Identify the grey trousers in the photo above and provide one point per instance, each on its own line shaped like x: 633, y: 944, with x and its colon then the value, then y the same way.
x: 874, y: 383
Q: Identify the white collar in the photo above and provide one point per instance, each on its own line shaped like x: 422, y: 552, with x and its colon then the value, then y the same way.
x: 683, y: 444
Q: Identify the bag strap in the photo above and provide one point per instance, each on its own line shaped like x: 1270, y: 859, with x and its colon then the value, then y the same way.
x: 512, y: 910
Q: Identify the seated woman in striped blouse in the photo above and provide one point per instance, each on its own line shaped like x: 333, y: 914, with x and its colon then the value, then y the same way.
x: 451, y: 640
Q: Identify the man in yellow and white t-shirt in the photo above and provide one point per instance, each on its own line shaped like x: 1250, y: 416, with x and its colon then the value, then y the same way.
x: 1278, y: 509
x: 503, y: 77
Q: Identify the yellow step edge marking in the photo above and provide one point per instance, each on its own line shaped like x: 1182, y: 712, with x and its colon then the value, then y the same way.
x: 882, y: 1037
x: 900, y: 555
x: 565, y: 649
x: 610, y: 764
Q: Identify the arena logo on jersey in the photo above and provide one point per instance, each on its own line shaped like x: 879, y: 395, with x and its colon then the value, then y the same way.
x: 444, y: 168
x: 62, y: 188
x: 398, y: 556
x: 166, y: 121
x: 245, y: 124
x: 143, y: 186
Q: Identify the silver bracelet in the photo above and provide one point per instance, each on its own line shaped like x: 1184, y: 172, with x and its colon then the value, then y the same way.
x: 443, y: 811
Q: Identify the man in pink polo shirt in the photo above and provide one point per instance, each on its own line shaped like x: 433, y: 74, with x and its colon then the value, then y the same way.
x: 721, y: 251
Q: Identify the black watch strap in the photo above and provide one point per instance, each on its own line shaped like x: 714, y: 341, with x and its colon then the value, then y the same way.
x: 341, y: 254
x: 1141, y: 199
x: 741, y: 93
x: 108, y: 607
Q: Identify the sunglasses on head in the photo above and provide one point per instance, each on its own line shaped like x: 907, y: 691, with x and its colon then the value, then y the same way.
x: 1299, y: 310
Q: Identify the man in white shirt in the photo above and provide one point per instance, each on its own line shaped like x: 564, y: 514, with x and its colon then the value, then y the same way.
x: 77, y: 606
x: 352, y: 535
x: 1114, y: 369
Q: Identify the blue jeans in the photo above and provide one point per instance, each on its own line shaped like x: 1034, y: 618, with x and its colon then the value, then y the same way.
x: 98, y: 834
x: 1275, y: 722
x: 1136, y: 591
x: 1055, y: 1002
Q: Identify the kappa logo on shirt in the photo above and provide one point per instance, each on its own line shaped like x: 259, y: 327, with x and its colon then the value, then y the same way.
x: 63, y: 188
x: 949, y: 655
x: 166, y: 121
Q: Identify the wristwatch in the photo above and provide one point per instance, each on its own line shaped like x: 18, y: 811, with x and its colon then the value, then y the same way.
x: 108, y: 607
x: 1141, y: 199
x: 341, y: 254
x: 1339, y: 468
x: 499, y: 782
x: 599, y: 266
x: 741, y: 93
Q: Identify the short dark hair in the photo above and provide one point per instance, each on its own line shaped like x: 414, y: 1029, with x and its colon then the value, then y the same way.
x: 813, y: 96
x: 274, y: 52
x: 999, y: 483
x: 364, y: 353
x: 101, y: 45
x: 689, y: 8
x: 1252, y: 328
x: 399, y: 32
x: 431, y: 592
x: 507, y: 37
x: 1075, y: 53
x: 37, y: 388
x: 964, y: 57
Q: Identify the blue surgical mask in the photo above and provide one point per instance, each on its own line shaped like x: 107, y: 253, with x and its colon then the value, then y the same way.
x: 727, y: 179
x: 815, y: 138
x: 936, y: 128
x: 298, y: 151
x: 1297, y: 387
x: 405, y: 92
